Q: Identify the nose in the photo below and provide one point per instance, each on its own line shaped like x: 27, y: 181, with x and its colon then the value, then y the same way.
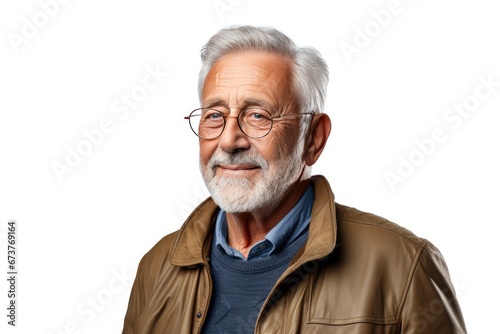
x: 232, y: 138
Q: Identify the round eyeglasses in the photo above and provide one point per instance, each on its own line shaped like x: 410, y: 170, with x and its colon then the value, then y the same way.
x: 209, y: 123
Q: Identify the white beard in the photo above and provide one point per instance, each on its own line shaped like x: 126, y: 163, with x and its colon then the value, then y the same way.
x: 240, y: 194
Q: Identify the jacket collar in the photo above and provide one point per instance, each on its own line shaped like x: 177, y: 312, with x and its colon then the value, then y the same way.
x: 193, y: 241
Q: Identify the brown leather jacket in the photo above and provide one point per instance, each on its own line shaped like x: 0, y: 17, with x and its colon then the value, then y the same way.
x: 357, y: 274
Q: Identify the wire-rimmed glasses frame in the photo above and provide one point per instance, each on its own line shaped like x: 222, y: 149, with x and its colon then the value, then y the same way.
x: 209, y: 123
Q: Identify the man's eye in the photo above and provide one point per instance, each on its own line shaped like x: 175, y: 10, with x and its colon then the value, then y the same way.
x: 256, y: 115
x: 215, y: 115
x: 212, y: 116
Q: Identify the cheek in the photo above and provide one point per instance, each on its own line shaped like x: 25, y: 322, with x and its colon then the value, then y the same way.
x: 207, y: 148
x: 285, y: 141
x: 273, y: 148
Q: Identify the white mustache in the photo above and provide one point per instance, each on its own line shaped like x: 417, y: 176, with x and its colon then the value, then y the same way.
x: 223, y: 158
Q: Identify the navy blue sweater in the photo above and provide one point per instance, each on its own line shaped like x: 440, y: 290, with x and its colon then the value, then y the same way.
x: 240, y: 287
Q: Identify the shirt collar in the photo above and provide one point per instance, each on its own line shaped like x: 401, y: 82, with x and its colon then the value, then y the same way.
x: 292, y: 226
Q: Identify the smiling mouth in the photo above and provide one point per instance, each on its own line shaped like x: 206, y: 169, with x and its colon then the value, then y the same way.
x: 237, y: 169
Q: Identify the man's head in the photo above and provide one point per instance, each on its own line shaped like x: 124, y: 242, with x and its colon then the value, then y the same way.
x: 309, y: 70
x: 261, y: 72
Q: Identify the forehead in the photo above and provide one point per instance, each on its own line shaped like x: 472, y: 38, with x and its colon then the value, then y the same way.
x: 248, y: 74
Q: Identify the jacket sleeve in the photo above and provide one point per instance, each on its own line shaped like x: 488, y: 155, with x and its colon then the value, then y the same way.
x: 135, y: 305
x: 431, y: 305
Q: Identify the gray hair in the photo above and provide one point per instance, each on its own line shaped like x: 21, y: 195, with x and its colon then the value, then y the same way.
x: 310, y: 71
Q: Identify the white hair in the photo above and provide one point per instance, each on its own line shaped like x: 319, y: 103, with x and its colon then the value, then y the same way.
x: 310, y: 71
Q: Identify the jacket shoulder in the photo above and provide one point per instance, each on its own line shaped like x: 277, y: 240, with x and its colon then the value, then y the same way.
x: 163, y: 245
x: 158, y: 256
x: 381, y: 273
x: 373, y: 229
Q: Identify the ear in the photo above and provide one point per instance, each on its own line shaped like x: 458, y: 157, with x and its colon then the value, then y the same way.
x: 319, y: 130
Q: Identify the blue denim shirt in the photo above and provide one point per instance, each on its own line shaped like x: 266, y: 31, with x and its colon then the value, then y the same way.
x: 291, y: 227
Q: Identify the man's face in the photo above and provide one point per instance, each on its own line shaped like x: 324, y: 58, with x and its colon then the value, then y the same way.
x: 245, y: 174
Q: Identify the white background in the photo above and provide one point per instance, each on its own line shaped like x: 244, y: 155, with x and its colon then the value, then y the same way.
x: 76, y: 235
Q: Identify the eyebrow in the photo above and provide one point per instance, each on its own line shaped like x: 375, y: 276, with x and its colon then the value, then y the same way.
x: 214, y: 103
x: 259, y: 103
x: 246, y: 102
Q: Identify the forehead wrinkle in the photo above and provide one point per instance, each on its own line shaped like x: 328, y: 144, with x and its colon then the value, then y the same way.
x: 227, y: 78
x: 237, y: 84
x: 230, y: 73
x: 238, y: 90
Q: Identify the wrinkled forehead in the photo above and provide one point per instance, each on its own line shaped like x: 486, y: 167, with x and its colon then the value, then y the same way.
x: 249, y: 72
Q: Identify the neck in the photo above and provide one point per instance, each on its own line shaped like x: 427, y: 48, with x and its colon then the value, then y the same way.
x: 247, y: 228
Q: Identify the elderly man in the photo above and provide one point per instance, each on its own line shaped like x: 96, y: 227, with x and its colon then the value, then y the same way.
x: 270, y: 251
